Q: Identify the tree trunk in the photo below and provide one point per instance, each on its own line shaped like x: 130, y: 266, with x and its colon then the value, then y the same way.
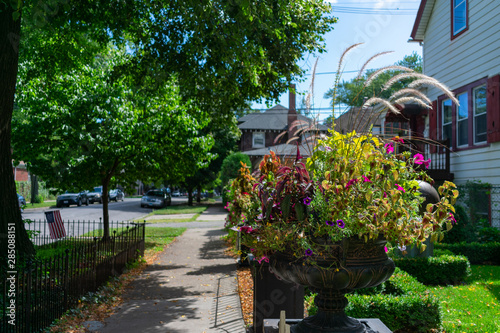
x: 198, y: 195
x: 10, y: 214
x: 34, y: 188
x: 105, y: 211
x: 190, y: 197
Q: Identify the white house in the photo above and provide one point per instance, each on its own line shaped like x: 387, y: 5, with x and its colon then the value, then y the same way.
x: 461, y: 49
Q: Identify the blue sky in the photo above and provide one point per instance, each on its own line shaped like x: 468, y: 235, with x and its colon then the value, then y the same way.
x: 382, y: 25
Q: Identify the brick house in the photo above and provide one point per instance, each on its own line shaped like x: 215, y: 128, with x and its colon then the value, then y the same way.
x: 20, y: 172
x: 262, y: 132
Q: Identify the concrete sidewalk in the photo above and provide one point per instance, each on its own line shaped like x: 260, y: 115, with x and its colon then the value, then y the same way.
x: 191, y: 287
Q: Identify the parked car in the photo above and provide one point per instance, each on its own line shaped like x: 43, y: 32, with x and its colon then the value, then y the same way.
x: 176, y: 193
x: 22, y: 201
x: 156, y: 199
x: 68, y: 199
x: 96, y: 195
x: 115, y: 195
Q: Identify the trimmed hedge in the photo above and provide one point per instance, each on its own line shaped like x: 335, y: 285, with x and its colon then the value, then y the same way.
x: 477, y: 253
x: 410, y: 313
x: 440, y: 270
x: 402, y: 304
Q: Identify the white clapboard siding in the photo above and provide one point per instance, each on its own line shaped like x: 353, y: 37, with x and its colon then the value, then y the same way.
x: 469, y: 57
x: 480, y: 164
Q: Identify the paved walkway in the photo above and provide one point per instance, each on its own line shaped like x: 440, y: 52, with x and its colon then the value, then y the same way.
x: 191, y: 287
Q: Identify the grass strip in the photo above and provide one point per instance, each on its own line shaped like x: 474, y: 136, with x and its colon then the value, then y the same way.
x: 183, y: 209
x: 51, y: 204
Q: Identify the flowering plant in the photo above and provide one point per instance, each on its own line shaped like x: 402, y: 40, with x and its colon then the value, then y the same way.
x: 352, y: 185
x: 241, y: 198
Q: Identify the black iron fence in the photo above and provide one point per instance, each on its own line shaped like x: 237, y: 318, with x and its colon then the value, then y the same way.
x: 40, y: 234
x: 34, y: 294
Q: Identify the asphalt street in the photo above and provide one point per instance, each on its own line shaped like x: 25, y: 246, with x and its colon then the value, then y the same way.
x: 81, y: 220
x: 126, y: 210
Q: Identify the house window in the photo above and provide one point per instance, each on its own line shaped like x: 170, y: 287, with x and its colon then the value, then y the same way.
x: 458, y: 17
x: 463, y: 121
x: 258, y: 140
x: 465, y: 125
x: 447, y: 120
x: 479, y: 104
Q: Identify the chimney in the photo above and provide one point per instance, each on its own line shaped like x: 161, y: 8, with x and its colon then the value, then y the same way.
x: 292, y: 113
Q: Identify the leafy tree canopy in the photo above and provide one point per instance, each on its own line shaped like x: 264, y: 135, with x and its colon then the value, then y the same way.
x: 88, y: 127
x: 231, y: 166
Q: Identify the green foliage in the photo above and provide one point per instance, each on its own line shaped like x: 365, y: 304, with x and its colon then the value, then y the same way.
x: 39, y: 198
x: 231, y: 166
x: 474, y: 195
x: 477, y: 253
x: 464, y: 230
x: 440, y: 270
x: 90, y: 127
x: 402, y: 303
x: 411, y: 313
x: 489, y: 234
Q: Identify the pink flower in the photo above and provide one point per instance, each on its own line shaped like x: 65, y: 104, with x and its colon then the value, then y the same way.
x: 397, y: 139
x: 419, y: 159
x: 352, y: 181
x: 389, y: 147
x: 366, y: 179
x: 451, y: 218
x: 400, y: 187
x: 386, y: 249
x: 264, y: 258
x: 246, y: 229
x: 385, y: 195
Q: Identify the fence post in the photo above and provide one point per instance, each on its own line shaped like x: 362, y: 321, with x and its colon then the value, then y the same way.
x: 66, y: 282
x: 113, y: 248
x: 127, y: 244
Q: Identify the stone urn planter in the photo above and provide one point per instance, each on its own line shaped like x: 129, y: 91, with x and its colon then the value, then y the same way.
x: 344, y: 267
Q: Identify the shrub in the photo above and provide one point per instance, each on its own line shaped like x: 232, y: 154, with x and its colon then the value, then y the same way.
x: 442, y: 252
x: 463, y: 230
x: 441, y: 270
x: 410, y: 313
x: 231, y: 166
x: 402, y: 304
x: 477, y: 253
x: 489, y: 234
x: 38, y: 198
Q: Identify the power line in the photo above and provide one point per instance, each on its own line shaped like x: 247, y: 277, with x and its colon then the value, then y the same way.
x: 367, y: 10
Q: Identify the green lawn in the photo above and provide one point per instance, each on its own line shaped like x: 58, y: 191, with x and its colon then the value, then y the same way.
x: 474, y: 307
x: 41, y: 205
x: 172, y: 210
x: 184, y: 209
x: 156, y: 240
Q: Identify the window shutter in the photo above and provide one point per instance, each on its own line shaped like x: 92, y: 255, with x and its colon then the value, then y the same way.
x: 493, y: 108
x: 433, y: 129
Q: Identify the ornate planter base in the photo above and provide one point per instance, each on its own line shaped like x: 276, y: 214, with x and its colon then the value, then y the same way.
x: 354, y: 264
